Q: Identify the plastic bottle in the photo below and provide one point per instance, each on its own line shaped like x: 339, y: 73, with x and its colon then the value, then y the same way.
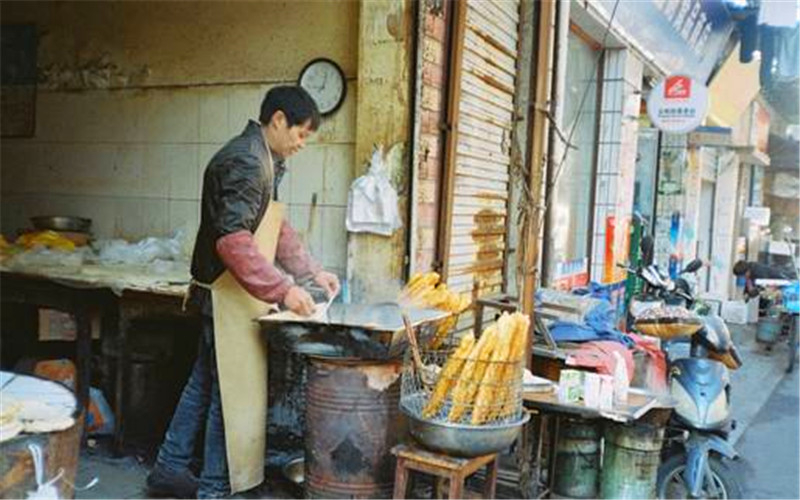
x: 621, y: 381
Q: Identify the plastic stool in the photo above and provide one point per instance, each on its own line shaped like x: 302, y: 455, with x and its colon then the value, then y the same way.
x: 444, y: 467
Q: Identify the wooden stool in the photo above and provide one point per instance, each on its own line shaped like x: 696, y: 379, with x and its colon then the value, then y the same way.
x: 444, y: 467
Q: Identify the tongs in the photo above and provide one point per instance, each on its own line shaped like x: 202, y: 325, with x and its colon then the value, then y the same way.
x: 428, y: 373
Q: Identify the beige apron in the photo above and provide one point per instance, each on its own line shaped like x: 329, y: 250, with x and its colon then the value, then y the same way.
x: 242, y: 362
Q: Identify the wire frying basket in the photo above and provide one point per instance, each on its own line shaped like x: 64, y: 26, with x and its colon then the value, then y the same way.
x: 482, y: 393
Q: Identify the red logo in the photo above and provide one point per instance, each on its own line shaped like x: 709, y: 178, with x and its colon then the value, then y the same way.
x: 678, y: 87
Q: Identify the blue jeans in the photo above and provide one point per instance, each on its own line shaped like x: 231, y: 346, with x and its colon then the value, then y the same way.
x: 199, y: 410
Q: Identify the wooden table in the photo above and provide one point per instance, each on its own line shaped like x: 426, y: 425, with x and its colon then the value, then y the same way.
x: 119, y: 294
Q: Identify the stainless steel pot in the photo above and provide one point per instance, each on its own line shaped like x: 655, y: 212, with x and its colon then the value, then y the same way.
x: 62, y: 223
x: 464, y: 440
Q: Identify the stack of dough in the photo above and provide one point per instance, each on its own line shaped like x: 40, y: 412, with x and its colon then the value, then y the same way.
x: 425, y: 290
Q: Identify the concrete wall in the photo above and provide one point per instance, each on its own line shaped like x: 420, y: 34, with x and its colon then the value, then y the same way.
x: 376, y: 264
x: 135, y: 97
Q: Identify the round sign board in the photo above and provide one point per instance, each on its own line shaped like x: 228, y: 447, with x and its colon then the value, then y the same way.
x: 678, y: 104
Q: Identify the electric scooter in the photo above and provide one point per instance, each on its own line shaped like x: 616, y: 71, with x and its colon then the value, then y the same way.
x: 692, y: 464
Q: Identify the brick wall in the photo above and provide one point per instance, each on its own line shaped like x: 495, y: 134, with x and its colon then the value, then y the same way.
x: 431, y: 140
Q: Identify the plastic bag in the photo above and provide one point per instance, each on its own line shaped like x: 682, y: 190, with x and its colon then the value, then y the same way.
x: 38, y: 257
x: 372, y: 201
x: 621, y: 381
x: 143, y: 252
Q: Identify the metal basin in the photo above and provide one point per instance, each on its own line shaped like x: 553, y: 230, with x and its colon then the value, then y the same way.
x: 62, y: 223
x: 464, y: 440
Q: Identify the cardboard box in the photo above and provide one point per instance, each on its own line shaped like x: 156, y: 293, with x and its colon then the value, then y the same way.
x: 58, y: 325
x: 740, y: 313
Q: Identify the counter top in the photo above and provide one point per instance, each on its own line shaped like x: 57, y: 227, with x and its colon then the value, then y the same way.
x: 170, y: 280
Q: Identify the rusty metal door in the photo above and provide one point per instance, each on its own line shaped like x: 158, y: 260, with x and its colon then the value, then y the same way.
x: 483, y: 78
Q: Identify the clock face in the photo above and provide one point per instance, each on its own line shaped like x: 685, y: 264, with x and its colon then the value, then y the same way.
x: 324, y: 80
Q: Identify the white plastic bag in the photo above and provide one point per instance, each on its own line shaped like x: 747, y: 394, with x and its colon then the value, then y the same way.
x: 621, y: 381
x: 147, y: 250
x: 372, y: 201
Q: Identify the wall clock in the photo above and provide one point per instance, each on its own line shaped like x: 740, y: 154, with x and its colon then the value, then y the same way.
x: 325, y: 81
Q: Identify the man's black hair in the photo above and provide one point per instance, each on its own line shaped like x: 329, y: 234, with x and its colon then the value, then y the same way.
x: 298, y: 106
x: 740, y: 268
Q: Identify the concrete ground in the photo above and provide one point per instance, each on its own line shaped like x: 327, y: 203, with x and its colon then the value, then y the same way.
x: 769, y: 463
x: 766, y: 435
x: 753, y: 384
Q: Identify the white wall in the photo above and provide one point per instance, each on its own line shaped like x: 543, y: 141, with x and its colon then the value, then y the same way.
x: 725, y: 231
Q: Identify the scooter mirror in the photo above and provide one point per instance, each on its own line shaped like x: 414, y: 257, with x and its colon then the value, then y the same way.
x: 693, y: 266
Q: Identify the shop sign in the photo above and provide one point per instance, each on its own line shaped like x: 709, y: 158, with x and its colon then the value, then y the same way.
x: 571, y: 274
x: 682, y: 36
x: 757, y: 215
x: 678, y: 104
x: 711, y: 137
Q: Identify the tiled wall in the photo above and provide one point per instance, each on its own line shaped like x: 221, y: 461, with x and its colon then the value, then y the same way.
x: 132, y: 161
x: 616, y: 160
x: 725, y: 231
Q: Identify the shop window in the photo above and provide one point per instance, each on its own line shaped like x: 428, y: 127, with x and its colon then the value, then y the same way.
x: 568, y: 239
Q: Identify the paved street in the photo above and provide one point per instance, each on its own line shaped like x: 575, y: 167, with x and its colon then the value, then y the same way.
x: 769, y: 447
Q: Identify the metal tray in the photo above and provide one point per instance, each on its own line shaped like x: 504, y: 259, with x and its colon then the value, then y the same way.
x: 356, y: 331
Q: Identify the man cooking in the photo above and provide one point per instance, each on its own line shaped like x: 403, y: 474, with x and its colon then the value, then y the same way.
x: 234, y: 279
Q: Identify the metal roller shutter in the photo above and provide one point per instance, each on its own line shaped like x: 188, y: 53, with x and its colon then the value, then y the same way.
x: 483, y: 73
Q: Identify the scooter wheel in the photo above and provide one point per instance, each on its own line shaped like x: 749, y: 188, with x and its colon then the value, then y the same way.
x: 672, y: 485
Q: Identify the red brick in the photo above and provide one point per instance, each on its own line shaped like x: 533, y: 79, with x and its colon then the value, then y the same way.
x: 429, y: 145
x: 435, y: 27
x: 427, y: 192
x: 431, y: 98
x: 428, y: 214
x: 432, y: 51
x: 432, y: 75
x: 429, y: 168
x: 427, y: 238
x: 429, y: 122
x: 424, y: 260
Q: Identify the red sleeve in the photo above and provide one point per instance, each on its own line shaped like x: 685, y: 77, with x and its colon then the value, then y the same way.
x: 239, y: 252
x: 293, y: 256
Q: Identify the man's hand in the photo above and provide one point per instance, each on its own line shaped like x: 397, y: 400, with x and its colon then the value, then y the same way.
x: 328, y: 281
x: 299, y: 301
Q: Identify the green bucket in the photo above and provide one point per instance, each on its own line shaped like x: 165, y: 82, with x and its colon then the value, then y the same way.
x: 577, y: 459
x: 630, y: 461
x: 768, y: 329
